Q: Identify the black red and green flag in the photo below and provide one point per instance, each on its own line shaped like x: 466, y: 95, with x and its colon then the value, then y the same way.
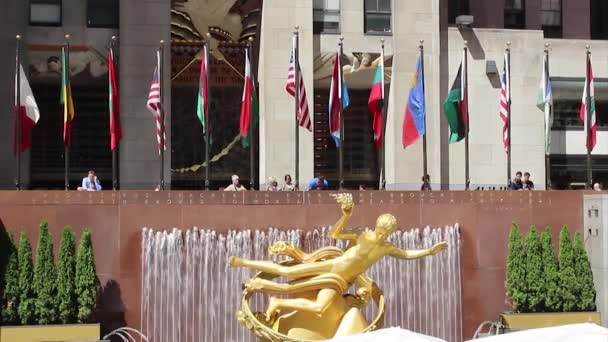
x: 455, y: 106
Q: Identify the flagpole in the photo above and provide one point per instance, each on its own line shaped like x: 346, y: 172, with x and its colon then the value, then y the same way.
x: 66, y: 146
x: 251, y: 130
x: 17, y: 145
x: 296, y: 102
x: 424, y: 150
x: 508, y: 85
x: 466, y: 131
x: 340, y: 91
x: 115, y: 150
x: 547, y: 122
x: 383, y: 137
x: 162, y: 114
x: 206, y: 113
x: 588, y: 117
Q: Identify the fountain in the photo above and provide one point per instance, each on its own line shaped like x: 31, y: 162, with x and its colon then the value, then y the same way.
x: 189, y: 294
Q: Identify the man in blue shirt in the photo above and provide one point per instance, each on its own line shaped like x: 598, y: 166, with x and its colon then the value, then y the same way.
x: 318, y: 183
x: 90, y: 183
x: 517, y: 183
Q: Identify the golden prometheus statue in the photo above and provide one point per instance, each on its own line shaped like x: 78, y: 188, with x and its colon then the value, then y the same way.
x: 314, y: 303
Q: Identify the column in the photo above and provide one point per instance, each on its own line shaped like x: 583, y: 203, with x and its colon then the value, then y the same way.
x: 143, y: 23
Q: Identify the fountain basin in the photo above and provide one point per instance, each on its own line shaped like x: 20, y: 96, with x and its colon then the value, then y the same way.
x: 522, y: 321
x: 50, y: 333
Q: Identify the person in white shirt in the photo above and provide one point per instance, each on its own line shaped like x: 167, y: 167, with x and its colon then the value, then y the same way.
x: 235, y: 186
x: 289, y: 185
x: 90, y: 183
x: 272, y: 184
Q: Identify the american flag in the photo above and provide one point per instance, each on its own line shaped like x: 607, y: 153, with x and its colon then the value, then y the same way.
x: 302, y: 115
x: 154, y: 104
x: 505, y: 102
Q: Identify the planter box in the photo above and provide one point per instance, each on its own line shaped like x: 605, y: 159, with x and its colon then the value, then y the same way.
x: 513, y: 321
x: 50, y: 333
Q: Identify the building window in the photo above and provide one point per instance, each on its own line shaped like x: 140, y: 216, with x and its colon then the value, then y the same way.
x: 90, y: 136
x: 599, y: 24
x: 377, y: 16
x: 102, y: 13
x: 515, y: 14
x: 456, y: 8
x: 326, y: 16
x: 45, y: 12
x: 567, y: 94
x: 551, y: 11
x: 569, y: 171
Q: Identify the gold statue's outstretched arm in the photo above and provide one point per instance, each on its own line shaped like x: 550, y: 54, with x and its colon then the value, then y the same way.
x: 346, y: 204
x: 416, y: 254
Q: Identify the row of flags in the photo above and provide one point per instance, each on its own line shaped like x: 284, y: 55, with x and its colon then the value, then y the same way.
x: 414, y: 122
x: 27, y: 109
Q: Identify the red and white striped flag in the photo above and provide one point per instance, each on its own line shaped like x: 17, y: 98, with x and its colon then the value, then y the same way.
x: 505, y: 103
x: 302, y: 115
x: 154, y: 104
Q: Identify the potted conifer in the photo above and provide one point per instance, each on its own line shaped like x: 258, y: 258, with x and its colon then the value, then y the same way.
x: 45, y: 295
x: 10, y: 295
x: 544, y: 290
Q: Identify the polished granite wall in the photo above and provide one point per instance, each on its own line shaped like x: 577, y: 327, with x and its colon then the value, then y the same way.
x: 116, y: 219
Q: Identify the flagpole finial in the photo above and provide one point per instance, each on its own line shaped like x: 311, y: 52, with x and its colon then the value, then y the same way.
x: 508, y: 45
x: 587, y: 47
x: 18, y: 37
x: 113, y: 37
x: 466, y: 43
x: 296, y: 29
x: 67, y: 37
x: 547, y: 46
x: 162, y: 42
x: 249, y: 41
x: 421, y: 41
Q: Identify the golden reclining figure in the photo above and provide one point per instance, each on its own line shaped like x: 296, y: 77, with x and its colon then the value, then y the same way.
x: 319, y: 307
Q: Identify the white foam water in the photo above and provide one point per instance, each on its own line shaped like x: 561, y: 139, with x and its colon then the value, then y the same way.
x: 190, y: 295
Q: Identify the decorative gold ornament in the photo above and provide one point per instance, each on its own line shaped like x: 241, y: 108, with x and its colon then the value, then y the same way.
x: 314, y: 303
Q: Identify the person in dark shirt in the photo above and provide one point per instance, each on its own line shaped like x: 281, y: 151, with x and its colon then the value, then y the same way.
x: 426, y: 183
x: 516, y: 183
x: 527, y: 184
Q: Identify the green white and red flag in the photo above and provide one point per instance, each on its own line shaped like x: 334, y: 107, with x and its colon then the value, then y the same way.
x: 589, y: 99
x: 376, y: 102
